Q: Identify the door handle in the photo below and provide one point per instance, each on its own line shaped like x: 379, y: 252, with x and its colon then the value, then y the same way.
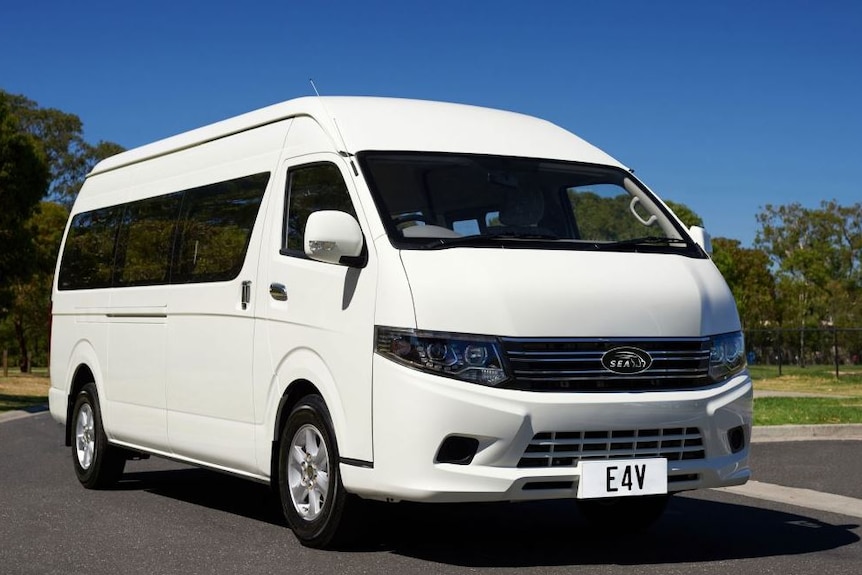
x: 278, y: 292
x: 246, y: 294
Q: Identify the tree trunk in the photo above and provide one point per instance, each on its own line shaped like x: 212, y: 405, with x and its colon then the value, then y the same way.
x: 21, y: 336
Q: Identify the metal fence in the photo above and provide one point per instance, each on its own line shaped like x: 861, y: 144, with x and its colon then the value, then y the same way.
x: 835, y: 346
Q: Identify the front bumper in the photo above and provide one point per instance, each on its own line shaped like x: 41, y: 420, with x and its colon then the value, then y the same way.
x: 415, y: 412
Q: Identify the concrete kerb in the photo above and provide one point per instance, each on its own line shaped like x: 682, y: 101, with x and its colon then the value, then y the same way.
x: 20, y: 413
x: 771, y: 433
x: 760, y: 434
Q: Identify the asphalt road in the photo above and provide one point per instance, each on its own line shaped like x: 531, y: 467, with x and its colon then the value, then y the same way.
x: 169, y: 518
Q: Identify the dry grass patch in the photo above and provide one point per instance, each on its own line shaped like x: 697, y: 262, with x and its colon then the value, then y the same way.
x: 818, y: 380
x: 23, y: 390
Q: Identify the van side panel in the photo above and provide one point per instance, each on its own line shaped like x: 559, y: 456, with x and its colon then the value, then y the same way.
x: 134, y: 392
x: 172, y: 361
x: 210, y: 333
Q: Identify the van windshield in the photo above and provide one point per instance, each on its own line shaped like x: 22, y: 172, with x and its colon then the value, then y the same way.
x: 438, y: 200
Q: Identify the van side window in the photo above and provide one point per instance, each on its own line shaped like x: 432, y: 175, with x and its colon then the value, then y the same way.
x: 88, y: 257
x: 195, y: 235
x: 215, y: 229
x: 310, y: 189
x: 145, y: 240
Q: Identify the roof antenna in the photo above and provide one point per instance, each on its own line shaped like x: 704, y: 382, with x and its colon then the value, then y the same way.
x: 343, y: 152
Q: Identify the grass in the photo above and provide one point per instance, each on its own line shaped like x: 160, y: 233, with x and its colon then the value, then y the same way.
x: 806, y: 410
x: 818, y: 379
x: 841, y: 401
x: 23, y: 390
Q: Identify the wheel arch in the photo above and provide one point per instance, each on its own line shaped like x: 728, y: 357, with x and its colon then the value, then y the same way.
x: 85, y: 368
x: 292, y: 395
x: 83, y: 375
x: 306, y: 373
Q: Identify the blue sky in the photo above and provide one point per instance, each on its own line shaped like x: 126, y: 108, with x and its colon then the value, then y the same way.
x: 724, y: 106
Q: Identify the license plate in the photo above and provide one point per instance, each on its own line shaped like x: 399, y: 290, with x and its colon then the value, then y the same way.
x: 622, y: 478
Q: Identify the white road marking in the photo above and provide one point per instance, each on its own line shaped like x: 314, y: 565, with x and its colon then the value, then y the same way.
x: 807, y: 498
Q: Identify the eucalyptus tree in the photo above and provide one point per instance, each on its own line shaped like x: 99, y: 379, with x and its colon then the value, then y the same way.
x: 817, y: 257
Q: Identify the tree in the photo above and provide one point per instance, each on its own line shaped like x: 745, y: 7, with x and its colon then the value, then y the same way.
x: 821, y: 251
x: 685, y: 214
x: 817, y: 253
x: 42, y: 154
x: 747, y: 273
x: 30, y: 312
x: 23, y: 181
x: 69, y: 156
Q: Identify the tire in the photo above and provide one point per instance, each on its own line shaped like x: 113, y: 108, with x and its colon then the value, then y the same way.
x: 98, y: 464
x: 312, y: 496
x: 623, y: 514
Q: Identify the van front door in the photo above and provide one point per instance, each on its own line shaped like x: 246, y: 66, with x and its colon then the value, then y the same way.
x: 318, y: 318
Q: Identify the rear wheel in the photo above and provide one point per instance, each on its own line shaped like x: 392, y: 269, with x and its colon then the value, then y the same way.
x: 312, y: 497
x: 97, y: 463
x: 624, y: 514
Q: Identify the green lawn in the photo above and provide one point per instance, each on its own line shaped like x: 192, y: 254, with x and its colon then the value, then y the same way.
x: 842, y: 404
x: 806, y: 410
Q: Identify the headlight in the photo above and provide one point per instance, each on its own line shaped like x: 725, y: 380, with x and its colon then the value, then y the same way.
x: 727, y: 356
x: 472, y: 358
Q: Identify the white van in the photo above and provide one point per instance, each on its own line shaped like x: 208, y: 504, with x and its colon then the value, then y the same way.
x: 396, y: 300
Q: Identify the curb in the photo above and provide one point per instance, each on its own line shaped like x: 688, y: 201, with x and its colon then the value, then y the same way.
x: 771, y: 433
x: 21, y: 413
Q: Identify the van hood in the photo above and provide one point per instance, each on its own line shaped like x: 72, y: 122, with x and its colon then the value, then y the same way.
x: 561, y: 293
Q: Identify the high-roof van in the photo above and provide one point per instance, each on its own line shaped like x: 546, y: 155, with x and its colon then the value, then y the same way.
x: 369, y: 298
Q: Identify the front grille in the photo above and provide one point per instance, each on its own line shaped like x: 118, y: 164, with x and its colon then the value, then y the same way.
x: 567, y: 448
x: 557, y: 364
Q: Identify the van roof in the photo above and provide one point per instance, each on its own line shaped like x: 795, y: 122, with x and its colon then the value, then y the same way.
x: 373, y: 123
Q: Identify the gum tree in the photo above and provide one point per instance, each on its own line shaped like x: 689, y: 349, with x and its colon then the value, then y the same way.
x: 817, y: 257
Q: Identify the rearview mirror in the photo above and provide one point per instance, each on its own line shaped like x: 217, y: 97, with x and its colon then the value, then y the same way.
x: 334, y: 237
x: 701, y: 238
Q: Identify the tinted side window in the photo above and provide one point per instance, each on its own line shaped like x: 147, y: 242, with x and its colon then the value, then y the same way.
x: 88, y: 256
x: 215, y: 229
x: 145, y: 241
x: 310, y: 189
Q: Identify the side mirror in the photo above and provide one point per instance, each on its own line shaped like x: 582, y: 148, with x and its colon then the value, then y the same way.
x: 701, y: 238
x: 334, y: 237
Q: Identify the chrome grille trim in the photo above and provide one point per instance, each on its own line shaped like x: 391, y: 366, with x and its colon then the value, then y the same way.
x: 575, y: 364
x: 568, y: 448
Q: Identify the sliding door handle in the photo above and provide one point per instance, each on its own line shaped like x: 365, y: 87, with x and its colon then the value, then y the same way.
x: 278, y: 292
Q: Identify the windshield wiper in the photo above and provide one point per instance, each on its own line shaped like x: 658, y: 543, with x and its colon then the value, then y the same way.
x: 491, y: 240
x: 524, y: 235
x: 645, y: 240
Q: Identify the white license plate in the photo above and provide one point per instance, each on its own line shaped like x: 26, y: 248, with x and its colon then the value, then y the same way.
x: 622, y: 477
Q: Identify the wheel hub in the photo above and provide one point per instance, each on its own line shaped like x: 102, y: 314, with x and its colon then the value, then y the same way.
x: 85, y: 436
x: 309, y: 472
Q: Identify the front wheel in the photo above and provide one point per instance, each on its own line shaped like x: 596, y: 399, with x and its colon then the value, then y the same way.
x: 312, y: 497
x: 97, y: 463
x: 624, y: 514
